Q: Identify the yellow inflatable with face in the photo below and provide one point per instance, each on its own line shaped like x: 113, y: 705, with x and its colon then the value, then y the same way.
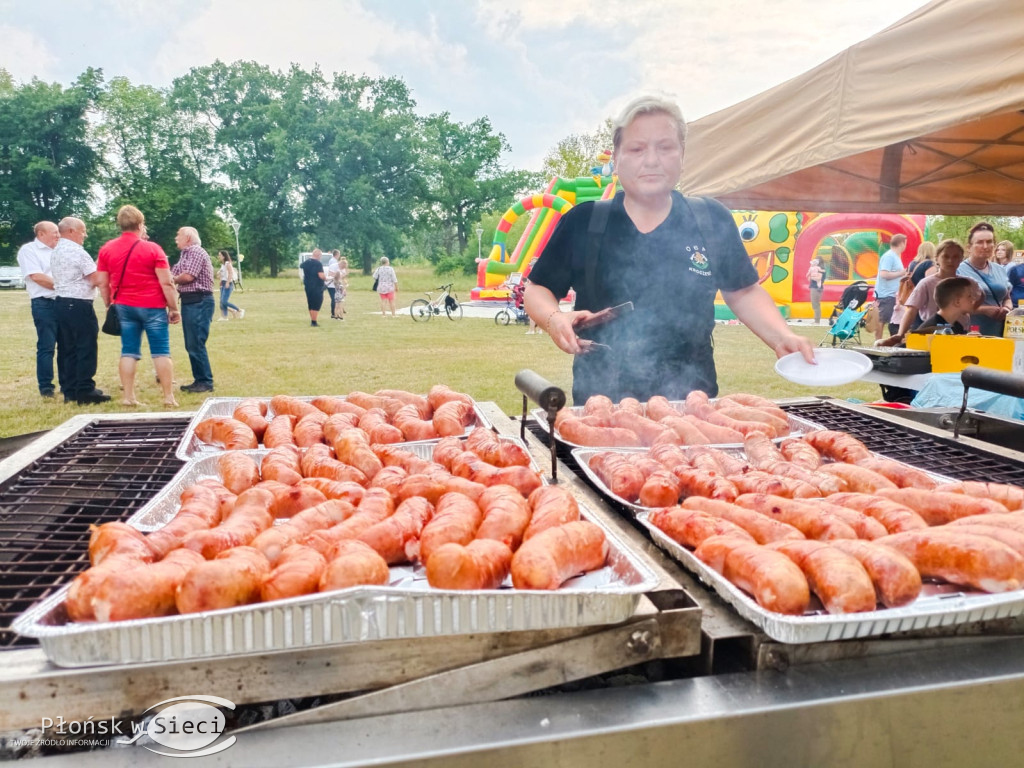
x: 770, y: 238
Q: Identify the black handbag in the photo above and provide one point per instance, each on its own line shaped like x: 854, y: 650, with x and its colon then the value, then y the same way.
x: 112, y: 323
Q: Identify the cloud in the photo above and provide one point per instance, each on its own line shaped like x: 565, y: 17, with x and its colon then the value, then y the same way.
x: 25, y: 55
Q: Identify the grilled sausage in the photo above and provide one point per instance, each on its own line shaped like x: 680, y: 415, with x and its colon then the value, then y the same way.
x: 456, y: 519
x: 806, y: 517
x: 550, y: 507
x: 283, y: 464
x: 252, y: 412
x: 858, y: 479
x: 395, y: 537
x: 481, y: 564
x: 506, y: 515
x: 238, y: 471
x: 1010, y: 496
x: 837, y: 446
x: 774, y: 581
x: 620, y: 476
x: 292, y: 406
x: 144, y: 591
x: 232, y: 579
x: 228, y: 433
x: 452, y: 418
x: 895, y: 517
x: 690, y: 527
x: 763, y: 529
x: 250, y: 517
x: 555, y: 555
x: 967, y: 559
x: 838, y: 579
x: 897, y: 582
x: 900, y: 474
x: 333, y: 405
x: 353, y: 563
x: 296, y: 572
x: 576, y: 431
x: 800, y: 452
x: 273, y: 541
x: 289, y: 500
x: 280, y: 432
x: 938, y: 508
x: 198, y: 512
x: 352, y: 447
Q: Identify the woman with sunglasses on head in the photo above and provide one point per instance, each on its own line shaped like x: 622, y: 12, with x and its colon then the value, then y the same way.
x: 990, y: 277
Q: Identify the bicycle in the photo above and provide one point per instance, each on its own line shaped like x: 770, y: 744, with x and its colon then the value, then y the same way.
x: 423, y: 309
x: 511, y: 314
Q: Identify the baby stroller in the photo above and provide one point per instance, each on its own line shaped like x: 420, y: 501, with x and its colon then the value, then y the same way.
x: 848, y: 316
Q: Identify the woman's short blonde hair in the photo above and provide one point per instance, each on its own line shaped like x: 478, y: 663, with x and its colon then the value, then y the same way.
x: 925, y: 250
x: 648, y: 105
x: 130, y: 218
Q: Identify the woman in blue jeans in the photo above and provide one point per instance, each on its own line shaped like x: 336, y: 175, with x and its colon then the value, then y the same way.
x: 227, y: 285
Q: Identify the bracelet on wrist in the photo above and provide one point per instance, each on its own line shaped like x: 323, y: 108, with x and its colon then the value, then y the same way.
x: 547, y: 322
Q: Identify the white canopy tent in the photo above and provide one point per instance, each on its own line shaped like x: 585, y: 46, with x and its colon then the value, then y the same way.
x: 927, y: 116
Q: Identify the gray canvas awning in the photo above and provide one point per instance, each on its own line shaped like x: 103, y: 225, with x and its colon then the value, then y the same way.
x: 927, y: 116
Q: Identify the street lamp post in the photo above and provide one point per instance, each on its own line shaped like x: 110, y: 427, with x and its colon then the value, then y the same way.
x: 479, y: 234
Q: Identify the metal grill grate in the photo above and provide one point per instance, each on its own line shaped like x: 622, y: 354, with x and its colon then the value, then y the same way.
x: 105, y: 472
x: 944, y: 456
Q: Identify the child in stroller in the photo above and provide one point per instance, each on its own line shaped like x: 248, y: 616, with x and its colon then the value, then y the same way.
x: 848, y: 316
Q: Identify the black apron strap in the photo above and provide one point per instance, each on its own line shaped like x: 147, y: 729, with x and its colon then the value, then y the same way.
x: 595, y: 237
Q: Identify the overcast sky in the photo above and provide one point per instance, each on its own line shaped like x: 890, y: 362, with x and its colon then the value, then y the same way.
x: 539, y: 69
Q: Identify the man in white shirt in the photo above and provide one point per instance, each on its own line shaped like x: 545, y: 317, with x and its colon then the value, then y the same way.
x: 74, y: 280
x: 890, y: 271
x: 34, y: 260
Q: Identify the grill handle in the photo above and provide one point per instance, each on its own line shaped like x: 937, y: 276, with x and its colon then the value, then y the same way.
x: 994, y: 381
x: 550, y: 398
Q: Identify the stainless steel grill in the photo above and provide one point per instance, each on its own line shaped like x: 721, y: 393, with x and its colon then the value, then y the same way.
x: 106, y: 471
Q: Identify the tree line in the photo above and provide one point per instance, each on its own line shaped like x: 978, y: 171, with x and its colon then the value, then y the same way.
x: 295, y: 157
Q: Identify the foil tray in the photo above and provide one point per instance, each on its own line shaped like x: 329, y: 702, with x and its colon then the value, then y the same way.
x: 939, y: 604
x: 407, y: 608
x: 191, y: 447
x: 797, y: 426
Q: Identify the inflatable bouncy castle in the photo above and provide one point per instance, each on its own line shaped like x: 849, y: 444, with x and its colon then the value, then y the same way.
x: 545, y: 211
x: 781, y: 245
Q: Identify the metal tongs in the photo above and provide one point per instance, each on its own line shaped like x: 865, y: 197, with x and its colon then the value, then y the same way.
x: 600, y: 318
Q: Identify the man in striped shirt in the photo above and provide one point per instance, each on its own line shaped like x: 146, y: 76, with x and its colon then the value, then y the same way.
x: 193, y: 274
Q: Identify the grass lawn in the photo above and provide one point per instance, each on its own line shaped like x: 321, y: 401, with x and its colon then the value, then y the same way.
x: 274, y: 350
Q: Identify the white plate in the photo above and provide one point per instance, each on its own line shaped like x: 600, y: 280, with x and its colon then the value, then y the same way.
x: 835, y: 367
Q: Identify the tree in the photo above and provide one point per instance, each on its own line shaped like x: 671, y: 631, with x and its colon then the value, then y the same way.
x: 576, y: 154
x: 243, y: 107
x: 152, y: 163
x: 47, y: 163
x: 362, y: 181
x: 464, y: 173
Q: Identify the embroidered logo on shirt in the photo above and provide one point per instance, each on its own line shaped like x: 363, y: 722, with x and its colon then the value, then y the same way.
x: 699, y: 263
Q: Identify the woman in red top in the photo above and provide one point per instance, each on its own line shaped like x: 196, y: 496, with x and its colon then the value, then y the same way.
x: 135, y: 277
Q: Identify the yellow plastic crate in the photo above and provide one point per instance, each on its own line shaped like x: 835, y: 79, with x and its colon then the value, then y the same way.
x: 918, y: 341
x: 951, y: 354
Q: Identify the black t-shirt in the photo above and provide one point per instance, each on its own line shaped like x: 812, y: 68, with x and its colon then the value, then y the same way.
x: 670, y: 274
x: 311, y: 269
x: 937, y: 320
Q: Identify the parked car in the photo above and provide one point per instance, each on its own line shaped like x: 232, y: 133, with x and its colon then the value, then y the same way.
x: 10, y: 277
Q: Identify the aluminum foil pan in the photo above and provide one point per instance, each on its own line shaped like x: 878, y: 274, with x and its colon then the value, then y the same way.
x: 191, y: 447
x: 940, y: 605
x: 797, y: 426
x: 584, y: 455
x: 407, y: 608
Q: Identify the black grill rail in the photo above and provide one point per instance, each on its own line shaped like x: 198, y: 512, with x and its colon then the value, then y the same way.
x: 105, y: 472
x: 945, y: 456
